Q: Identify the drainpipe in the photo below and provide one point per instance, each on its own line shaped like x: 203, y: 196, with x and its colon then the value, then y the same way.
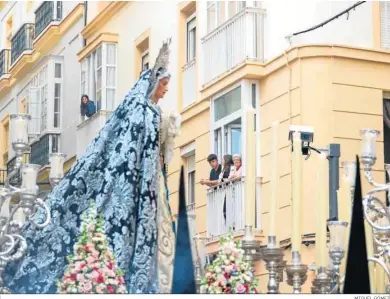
x: 85, y: 19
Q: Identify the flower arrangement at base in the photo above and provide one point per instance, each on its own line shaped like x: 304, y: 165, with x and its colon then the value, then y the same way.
x: 92, y: 267
x: 229, y: 273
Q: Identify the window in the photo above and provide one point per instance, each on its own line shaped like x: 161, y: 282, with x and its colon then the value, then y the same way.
x: 110, y: 77
x: 227, y: 121
x: 191, y: 38
x: 45, y: 146
x: 385, y: 24
x: 98, y: 77
x: 145, y: 61
x: 227, y: 104
x: 57, y: 103
x: 191, y: 179
x: 57, y: 95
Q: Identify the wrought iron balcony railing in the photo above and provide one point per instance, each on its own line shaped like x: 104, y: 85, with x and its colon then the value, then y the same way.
x: 41, y: 149
x: 22, y: 41
x: 46, y: 13
x: 5, y: 61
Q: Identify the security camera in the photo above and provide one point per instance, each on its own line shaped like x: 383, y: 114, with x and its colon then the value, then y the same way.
x: 307, y: 136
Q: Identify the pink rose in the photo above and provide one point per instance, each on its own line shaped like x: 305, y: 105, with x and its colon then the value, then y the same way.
x: 80, y: 278
x: 91, y: 227
x: 94, y: 274
x: 227, y: 250
x: 228, y: 269
x: 87, y: 287
x: 235, y: 254
x: 90, y: 260
x: 95, y: 254
x: 121, y: 280
x: 240, y: 288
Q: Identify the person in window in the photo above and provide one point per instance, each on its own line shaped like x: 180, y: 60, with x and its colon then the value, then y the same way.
x: 215, y: 171
x: 87, y: 107
x: 227, y: 164
x: 235, y: 175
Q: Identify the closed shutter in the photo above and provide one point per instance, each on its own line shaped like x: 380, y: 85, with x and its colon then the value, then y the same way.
x: 385, y: 24
x: 191, y: 163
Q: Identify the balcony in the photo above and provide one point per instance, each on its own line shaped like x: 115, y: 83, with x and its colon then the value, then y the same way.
x: 22, y: 41
x: 48, y: 12
x: 238, y: 40
x: 89, y: 129
x: 5, y: 61
x: 41, y: 149
x: 189, y: 83
x: 233, y: 192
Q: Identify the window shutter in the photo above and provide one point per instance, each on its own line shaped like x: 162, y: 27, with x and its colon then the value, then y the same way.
x: 191, y: 163
x: 385, y: 24
x: 33, y: 106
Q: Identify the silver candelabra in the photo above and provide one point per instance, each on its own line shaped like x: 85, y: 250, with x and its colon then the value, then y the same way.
x: 376, y: 212
x: 273, y: 257
x: 13, y: 245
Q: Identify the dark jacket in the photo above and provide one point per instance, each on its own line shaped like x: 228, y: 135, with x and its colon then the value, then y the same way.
x: 88, y: 109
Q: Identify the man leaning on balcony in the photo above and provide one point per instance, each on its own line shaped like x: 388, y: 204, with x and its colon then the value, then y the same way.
x: 215, y: 171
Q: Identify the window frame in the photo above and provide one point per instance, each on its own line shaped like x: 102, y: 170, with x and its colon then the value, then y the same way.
x: 189, y: 20
x: 143, y: 58
x: 191, y: 173
x: 88, y: 83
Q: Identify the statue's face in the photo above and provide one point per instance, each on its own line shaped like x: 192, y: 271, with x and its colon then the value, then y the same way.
x: 162, y: 88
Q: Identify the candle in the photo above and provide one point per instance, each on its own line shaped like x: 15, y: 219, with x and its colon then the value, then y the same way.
x: 274, y: 178
x: 57, y: 165
x: 344, y: 200
x: 296, y: 239
x: 29, y: 176
x: 321, y: 207
x: 369, y: 142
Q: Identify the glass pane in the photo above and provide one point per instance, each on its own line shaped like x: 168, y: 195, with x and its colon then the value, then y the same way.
x: 254, y: 96
x: 99, y: 79
x: 110, y: 76
x: 232, y: 8
x: 227, y: 104
x: 110, y: 98
x: 211, y: 17
x: 54, y: 143
x: 221, y: 12
x: 57, y: 70
x: 57, y: 90
x: 111, y: 54
x: 236, y: 141
x: 99, y: 57
x: 99, y: 100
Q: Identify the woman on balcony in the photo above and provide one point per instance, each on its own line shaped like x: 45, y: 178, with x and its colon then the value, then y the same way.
x: 121, y: 173
x: 235, y: 175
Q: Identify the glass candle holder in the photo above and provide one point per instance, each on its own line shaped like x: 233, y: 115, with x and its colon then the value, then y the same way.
x: 29, y: 177
x: 19, y: 128
x: 57, y: 161
x: 337, y: 230
x: 369, y: 137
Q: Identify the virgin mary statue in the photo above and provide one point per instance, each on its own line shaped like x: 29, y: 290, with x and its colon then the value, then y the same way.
x: 122, y: 171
